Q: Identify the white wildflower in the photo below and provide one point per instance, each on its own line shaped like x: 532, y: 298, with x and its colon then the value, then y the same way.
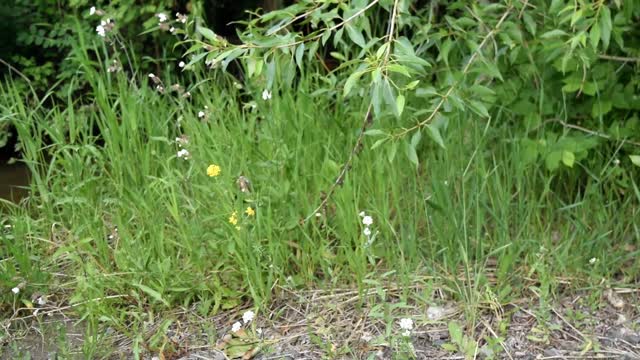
x: 183, y: 154
x: 593, y: 260
x: 92, y: 11
x: 162, y: 17
x: 151, y: 76
x: 367, y: 231
x: 100, y: 30
x: 362, y: 214
x: 367, y: 220
x: 15, y: 290
x: 248, y: 316
x: 172, y: 30
x: 41, y: 301
x: 201, y: 114
x: 266, y: 95
x: 181, y: 18
x: 406, y: 325
x: 181, y: 64
x: 616, y: 162
x: 236, y: 326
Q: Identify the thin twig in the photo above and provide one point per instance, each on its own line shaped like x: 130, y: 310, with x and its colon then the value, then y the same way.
x: 586, y: 131
x: 367, y: 120
x: 343, y: 172
x: 619, y: 58
x: 11, y: 67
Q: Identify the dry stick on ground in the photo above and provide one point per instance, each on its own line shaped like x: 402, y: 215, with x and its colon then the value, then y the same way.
x: 368, y: 119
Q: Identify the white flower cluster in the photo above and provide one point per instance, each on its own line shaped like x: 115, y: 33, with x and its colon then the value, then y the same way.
x: 367, y: 221
x: 183, y: 154
x: 406, y: 325
x: 266, y: 95
x: 247, y: 317
x: 204, y: 114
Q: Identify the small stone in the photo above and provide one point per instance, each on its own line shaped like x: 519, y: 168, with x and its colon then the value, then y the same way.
x: 621, y: 319
x: 614, y: 299
x: 436, y: 312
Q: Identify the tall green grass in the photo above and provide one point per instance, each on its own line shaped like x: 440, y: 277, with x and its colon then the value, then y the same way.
x: 108, y: 160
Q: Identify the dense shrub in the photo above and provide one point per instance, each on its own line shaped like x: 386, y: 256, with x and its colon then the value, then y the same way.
x: 564, y: 73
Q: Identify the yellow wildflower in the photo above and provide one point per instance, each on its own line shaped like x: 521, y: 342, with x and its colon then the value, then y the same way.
x: 233, y: 219
x: 250, y: 211
x: 213, y: 170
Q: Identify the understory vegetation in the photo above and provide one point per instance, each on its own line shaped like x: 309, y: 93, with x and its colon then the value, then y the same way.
x: 483, y: 152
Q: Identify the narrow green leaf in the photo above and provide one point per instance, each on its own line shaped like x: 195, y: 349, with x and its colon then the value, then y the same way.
x: 153, y: 293
x: 400, y: 104
x: 434, y: 134
x: 605, y: 25
x: 635, y: 159
x: 412, y: 85
x: 351, y: 81
x: 594, y: 35
x: 356, y: 35
x: 529, y: 23
x: 299, y: 55
x: 415, y: 139
x: 478, y: 108
x: 374, y: 132
x: 378, y: 143
x: 393, y: 149
x: 412, y: 154
x: 553, y: 33
x: 208, y: 34
x: 568, y: 158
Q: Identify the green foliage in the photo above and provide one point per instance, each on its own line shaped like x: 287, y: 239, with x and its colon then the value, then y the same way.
x: 420, y: 66
x: 40, y: 35
x: 503, y: 131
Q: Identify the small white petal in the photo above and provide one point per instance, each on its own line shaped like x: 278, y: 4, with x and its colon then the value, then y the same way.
x: 367, y: 220
x: 201, y: 114
x: 367, y: 231
x: 362, y: 214
x: 406, y: 324
x: 236, y: 326
x: 266, y: 95
x: 15, y: 290
x: 92, y: 10
x: 248, y: 316
x: 181, y: 64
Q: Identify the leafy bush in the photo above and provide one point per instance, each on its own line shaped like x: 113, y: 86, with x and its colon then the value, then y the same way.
x: 563, y: 73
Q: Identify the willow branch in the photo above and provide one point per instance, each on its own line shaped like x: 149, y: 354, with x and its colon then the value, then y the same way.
x: 465, y: 70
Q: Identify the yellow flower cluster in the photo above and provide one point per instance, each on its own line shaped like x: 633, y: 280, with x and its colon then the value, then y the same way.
x: 250, y: 211
x: 213, y: 170
x: 233, y: 219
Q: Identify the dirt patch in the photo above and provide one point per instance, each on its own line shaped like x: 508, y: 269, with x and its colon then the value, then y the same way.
x: 341, y: 325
